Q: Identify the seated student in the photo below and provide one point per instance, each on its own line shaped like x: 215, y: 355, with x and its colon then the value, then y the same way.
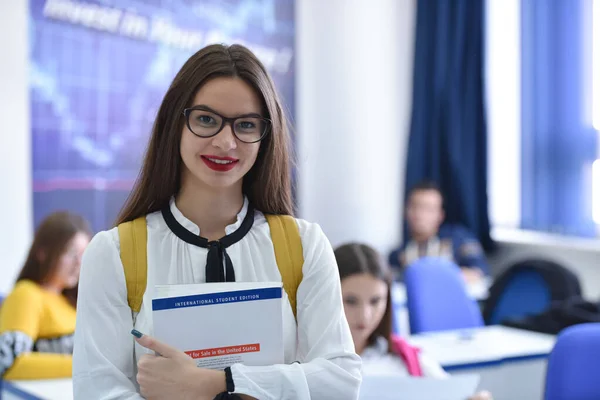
x: 367, y: 303
x: 430, y: 237
x: 37, y: 319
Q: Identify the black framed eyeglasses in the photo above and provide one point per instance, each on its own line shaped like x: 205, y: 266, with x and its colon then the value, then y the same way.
x: 204, y: 122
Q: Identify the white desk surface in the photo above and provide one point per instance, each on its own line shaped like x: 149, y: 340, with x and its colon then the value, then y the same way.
x: 487, y: 345
x: 48, y: 389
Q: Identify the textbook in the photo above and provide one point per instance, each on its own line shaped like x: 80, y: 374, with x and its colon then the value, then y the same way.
x: 221, y: 324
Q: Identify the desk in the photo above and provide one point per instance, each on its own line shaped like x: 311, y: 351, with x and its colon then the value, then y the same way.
x: 478, y: 291
x: 511, y: 362
x: 50, y: 389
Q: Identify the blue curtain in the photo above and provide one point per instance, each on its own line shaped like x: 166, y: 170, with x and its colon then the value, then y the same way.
x: 558, y: 142
x: 448, y: 135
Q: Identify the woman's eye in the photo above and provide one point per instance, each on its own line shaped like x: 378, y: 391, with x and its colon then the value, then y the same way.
x: 249, y: 125
x: 375, y: 301
x: 246, y: 125
x: 351, y: 301
x: 205, y: 119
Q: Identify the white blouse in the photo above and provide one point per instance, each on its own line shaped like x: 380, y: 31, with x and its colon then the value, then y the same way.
x: 105, y: 355
x: 376, y: 360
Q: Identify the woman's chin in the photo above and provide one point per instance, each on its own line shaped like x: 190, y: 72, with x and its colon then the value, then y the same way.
x: 215, y: 180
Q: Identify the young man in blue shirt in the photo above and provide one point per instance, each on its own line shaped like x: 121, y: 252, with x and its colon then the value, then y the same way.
x: 429, y: 236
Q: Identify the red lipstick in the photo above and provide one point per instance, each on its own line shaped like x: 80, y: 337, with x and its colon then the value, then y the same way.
x: 221, y: 164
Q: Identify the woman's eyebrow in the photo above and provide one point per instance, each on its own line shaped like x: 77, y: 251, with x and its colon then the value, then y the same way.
x: 207, y: 108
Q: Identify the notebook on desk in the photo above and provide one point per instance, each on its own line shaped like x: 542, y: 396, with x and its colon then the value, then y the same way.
x: 395, y: 388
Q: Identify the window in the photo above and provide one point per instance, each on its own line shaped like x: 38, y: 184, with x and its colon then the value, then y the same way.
x: 543, y: 105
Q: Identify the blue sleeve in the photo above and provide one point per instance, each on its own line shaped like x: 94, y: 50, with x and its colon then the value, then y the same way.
x: 468, y: 251
x: 394, y: 258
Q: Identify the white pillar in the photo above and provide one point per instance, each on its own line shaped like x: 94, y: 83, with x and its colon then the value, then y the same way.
x: 354, y: 95
x: 15, y: 142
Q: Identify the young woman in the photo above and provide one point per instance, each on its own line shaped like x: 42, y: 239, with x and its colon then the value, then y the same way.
x: 217, y: 162
x: 367, y: 303
x: 37, y: 319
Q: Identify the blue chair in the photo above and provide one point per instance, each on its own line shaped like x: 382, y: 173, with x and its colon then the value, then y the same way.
x: 528, y: 288
x: 573, y: 364
x: 437, y: 297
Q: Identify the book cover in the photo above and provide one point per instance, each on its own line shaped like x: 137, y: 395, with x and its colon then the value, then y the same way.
x: 220, y: 324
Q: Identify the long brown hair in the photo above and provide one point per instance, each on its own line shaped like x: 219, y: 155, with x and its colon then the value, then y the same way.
x: 51, y: 239
x: 267, y: 184
x: 358, y: 258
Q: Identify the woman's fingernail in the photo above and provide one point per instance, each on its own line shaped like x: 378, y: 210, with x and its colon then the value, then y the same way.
x: 136, y: 333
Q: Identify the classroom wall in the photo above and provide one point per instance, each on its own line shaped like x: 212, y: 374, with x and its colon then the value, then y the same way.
x: 353, y: 96
x: 353, y: 104
x: 15, y: 154
x: 351, y: 146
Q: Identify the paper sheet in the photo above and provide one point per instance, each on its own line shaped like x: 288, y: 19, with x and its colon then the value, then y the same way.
x: 395, y: 388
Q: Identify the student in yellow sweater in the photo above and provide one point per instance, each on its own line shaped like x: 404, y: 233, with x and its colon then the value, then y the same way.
x: 37, y: 319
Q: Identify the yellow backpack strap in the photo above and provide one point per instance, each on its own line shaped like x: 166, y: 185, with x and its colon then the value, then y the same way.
x: 133, y: 237
x: 288, y: 253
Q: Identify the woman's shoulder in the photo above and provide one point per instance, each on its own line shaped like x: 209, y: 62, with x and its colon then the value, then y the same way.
x: 313, y: 239
x: 25, y: 289
x: 310, y: 232
x: 26, y: 297
x: 303, y: 225
x: 27, y: 286
x: 102, y: 252
x: 104, y: 240
x: 316, y: 249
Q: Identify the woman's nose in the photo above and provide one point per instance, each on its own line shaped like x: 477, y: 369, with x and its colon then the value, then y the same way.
x: 225, y: 140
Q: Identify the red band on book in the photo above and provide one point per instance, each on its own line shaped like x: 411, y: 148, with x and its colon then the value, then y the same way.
x: 224, y: 351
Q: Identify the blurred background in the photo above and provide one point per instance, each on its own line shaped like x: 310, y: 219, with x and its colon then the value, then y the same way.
x: 497, y: 101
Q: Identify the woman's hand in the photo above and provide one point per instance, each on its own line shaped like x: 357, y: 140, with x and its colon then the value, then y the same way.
x: 471, y: 275
x: 483, y: 395
x: 174, y: 375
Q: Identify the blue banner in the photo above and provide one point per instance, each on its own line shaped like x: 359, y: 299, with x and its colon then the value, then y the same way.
x: 99, y: 70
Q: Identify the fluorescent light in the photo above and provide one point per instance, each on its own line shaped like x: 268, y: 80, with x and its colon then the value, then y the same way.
x: 596, y: 65
x: 596, y: 191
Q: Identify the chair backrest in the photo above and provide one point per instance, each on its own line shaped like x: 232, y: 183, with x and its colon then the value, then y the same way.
x: 528, y: 288
x: 573, y: 364
x: 437, y: 297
